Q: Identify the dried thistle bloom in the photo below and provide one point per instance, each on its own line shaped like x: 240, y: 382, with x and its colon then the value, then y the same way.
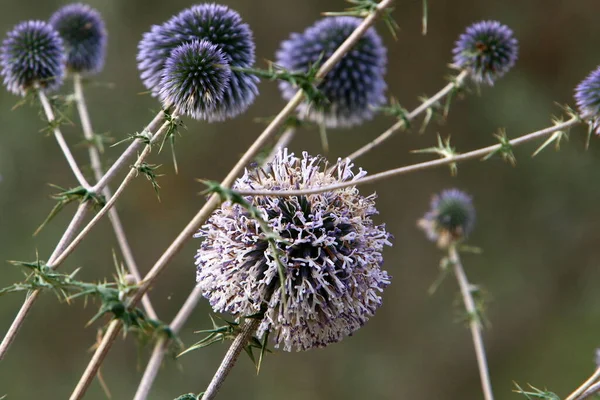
x: 330, y: 250
x: 354, y: 87
x: 82, y: 29
x: 487, y: 49
x: 451, y: 217
x: 220, y: 26
x: 194, y: 79
x: 31, y: 55
x: 587, y: 96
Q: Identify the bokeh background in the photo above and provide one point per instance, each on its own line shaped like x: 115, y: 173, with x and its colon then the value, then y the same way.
x: 537, y: 223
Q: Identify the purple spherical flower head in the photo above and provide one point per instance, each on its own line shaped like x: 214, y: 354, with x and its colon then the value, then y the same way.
x: 450, y: 218
x: 82, y: 30
x: 222, y: 27
x: 487, y: 50
x: 194, y: 79
x: 330, y: 251
x: 355, y: 85
x: 587, y: 96
x: 31, y: 55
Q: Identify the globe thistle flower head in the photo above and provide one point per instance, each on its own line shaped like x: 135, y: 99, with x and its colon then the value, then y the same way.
x: 194, y: 79
x: 32, y: 54
x: 84, y: 34
x: 355, y: 86
x: 488, y: 50
x: 220, y: 26
x: 330, y: 251
x: 587, y: 96
x: 450, y: 219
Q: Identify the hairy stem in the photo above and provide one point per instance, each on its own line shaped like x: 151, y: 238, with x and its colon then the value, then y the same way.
x: 415, y: 167
x: 61, y: 141
x: 585, y: 385
x: 458, y: 82
x: 230, y: 358
x: 113, y: 214
x: 474, y: 323
x: 214, y: 200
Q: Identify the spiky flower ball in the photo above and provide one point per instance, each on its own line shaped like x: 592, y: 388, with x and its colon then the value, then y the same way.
x: 488, y: 50
x: 220, y: 26
x: 451, y: 217
x: 587, y: 96
x: 82, y: 30
x: 194, y: 79
x: 31, y: 55
x: 329, y: 248
x: 354, y: 87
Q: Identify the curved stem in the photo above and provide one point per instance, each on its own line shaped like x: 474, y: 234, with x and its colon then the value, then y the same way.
x: 474, y: 323
x: 61, y: 141
x: 410, y: 116
x: 232, y: 355
x: 415, y: 167
x: 113, y: 214
x: 214, y: 200
x: 585, y: 385
x: 592, y: 390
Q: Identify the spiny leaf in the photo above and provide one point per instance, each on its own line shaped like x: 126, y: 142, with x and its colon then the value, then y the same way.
x: 364, y: 8
x: 505, y: 150
x: 148, y: 170
x: 394, y: 109
x: 444, y: 150
x: 536, y: 394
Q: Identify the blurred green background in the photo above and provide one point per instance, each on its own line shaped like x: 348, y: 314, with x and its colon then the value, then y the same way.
x: 537, y: 223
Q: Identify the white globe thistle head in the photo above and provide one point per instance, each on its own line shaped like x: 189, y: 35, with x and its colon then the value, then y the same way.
x: 330, y: 250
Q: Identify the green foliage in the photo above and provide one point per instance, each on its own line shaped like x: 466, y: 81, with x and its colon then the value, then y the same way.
x: 305, y: 81
x: 364, y: 8
x: 148, y: 170
x: 229, y: 330
x: 536, y: 393
x: 66, y: 196
x: 444, y: 150
x: 505, y: 150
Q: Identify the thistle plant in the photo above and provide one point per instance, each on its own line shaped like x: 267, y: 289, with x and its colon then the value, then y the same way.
x: 290, y: 248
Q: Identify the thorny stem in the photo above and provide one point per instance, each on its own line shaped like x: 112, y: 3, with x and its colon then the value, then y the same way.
x: 240, y: 341
x: 585, y: 386
x: 130, y: 176
x: 474, y: 323
x: 457, y: 82
x: 69, y: 233
x: 162, y: 345
x: 214, y: 200
x: 61, y: 141
x: 113, y: 214
x: 414, y: 167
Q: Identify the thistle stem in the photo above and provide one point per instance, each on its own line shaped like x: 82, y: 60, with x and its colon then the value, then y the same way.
x: 214, y: 200
x: 69, y: 233
x: 585, y: 386
x: 61, y: 141
x: 474, y: 323
x: 456, y: 83
x: 479, y: 153
x: 232, y: 355
x: 592, y: 390
x: 113, y: 214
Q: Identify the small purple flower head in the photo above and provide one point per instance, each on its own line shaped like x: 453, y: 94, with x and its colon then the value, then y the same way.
x: 220, y: 26
x: 194, y: 79
x: 330, y: 250
x: 450, y: 219
x: 82, y: 30
x: 587, y: 96
x: 32, y: 54
x: 354, y: 87
x: 488, y: 50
